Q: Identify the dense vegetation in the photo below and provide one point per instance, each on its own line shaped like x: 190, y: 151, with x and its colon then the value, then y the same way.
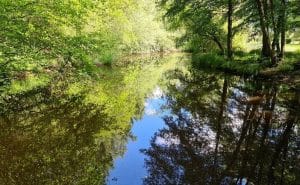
x: 221, y: 26
x: 52, y: 35
x: 36, y: 34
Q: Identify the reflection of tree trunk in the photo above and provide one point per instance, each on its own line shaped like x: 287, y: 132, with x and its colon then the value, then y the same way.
x: 281, y: 144
x: 283, y: 163
x: 220, y: 120
x: 267, y: 114
x: 245, y: 127
x: 247, y: 154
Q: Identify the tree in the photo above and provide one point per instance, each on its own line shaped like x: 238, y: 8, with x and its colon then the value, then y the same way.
x: 229, y: 29
x: 198, y: 18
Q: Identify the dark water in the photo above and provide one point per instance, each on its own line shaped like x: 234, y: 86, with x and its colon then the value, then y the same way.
x: 153, y: 121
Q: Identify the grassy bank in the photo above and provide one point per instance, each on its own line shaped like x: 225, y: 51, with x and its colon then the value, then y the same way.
x: 247, y: 63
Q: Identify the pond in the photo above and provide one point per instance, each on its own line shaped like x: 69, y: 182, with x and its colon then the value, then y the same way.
x: 149, y: 120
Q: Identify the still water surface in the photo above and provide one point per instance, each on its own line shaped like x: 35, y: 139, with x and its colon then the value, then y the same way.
x: 153, y: 120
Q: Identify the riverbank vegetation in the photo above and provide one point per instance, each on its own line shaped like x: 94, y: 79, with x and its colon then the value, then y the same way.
x: 241, y: 36
x: 44, y: 36
x: 249, y: 36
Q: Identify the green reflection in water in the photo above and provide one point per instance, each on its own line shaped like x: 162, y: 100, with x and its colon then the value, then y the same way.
x: 68, y: 129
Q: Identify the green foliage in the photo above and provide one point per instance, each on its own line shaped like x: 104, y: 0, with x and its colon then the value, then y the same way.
x: 206, y: 24
x: 288, y: 64
x: 76, y: 32
x: 245, y: 63
x: 200, y: 21
x: 210, y: 60
x: 214, y: 61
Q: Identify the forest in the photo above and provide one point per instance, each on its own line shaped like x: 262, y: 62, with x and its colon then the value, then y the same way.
x: 36, y: 35
x: 255, y: 33
x: 136, y: 92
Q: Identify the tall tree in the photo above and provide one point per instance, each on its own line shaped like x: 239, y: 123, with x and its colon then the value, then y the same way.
x: 229, y: 29
x: 262, y: 9
x: 283, y: 20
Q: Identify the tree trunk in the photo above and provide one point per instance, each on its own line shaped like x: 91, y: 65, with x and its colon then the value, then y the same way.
x: 266, y: 49
x: 229, y: 34
x: 276, y: 29
x: 283, y: 28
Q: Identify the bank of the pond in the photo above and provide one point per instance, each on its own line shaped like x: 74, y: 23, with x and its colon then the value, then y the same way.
x: 251, y: 65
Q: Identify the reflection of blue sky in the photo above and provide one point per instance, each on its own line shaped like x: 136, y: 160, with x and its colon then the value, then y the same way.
x: 129, y: 169
x: 153, y: 105
x: 235, y: 108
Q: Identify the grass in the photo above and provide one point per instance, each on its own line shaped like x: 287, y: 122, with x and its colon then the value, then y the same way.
x: 292, y: 48
x: 214, y: 61
x: 291, y: 59
x: 246, y: 63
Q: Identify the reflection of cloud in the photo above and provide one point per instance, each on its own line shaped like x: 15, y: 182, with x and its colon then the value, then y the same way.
x: 236, y: 108
x: 209, y: 135
x: 146, y: 104
x: 149, y: 108
x: 152, y: 104
x: 150, y: 112
x: 157, y: 93
x: 169, y: 141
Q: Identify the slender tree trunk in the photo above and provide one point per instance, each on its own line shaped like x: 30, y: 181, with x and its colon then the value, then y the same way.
x: 266, y: 49
x: 275, y: 42
x: 265, y: 35
x: 229, y: 34
x: 276, y: 29
x: 283, y: 28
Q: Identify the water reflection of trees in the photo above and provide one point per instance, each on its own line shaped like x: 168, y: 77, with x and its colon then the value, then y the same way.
x: 52, y: 140
x: 232, y: 132
x: 69, y: 129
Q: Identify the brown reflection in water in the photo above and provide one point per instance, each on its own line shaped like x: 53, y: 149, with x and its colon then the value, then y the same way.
x: 233, y: 132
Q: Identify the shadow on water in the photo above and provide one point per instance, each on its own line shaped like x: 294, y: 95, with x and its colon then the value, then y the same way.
x: 226, y: 130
